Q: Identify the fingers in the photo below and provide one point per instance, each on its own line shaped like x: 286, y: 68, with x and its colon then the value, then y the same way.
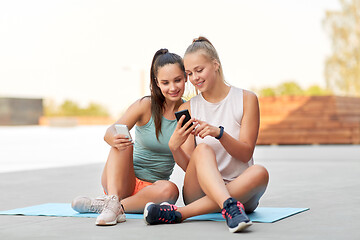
x: 191, y: 121
x: 200, y: 127
x: 179, y: 123
x: 123, y: 146
x: 186, y: 125
x: 121, y: 142
x: 120, y: 136
x: 190, y: 128
x: 204, y: 129
x: 204, y: 132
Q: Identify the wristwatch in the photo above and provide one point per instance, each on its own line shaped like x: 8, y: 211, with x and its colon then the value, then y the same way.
x: 221, y: 132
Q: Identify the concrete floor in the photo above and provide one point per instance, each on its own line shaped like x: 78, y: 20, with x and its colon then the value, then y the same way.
x: 324, y: 178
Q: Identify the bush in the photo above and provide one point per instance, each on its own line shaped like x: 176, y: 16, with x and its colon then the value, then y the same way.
x: 70, y: 108
x: 292, y: 89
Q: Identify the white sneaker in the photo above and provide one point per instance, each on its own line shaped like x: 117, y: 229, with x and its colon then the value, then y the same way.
x: 112, y: 213
x: 88, y: 205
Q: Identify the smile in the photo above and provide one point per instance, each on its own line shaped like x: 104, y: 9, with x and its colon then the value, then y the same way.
x: 174, y: 94
x: 200, y: 84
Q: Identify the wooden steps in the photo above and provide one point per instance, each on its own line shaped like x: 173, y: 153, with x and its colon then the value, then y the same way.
x: 309, y: 120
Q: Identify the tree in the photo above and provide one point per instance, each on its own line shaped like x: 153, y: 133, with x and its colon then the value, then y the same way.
x: 342, y: 68
x: 316, y: 90
x: 292, y: 89
x: 95, y: 109
x: 267, y: 92
x: 71, y: 108
x: 289, y: 88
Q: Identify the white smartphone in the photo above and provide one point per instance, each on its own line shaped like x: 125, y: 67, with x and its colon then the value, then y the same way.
x: 123, y: 129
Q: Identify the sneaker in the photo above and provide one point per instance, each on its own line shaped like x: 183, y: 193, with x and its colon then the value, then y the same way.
x: 235, y: 215
x: 88, y: 205
x: 161, y: 213
x: 112, y: 213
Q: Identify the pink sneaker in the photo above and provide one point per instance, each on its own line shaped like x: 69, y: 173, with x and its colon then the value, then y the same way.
x: 112, y: 213
x: 88, y: 205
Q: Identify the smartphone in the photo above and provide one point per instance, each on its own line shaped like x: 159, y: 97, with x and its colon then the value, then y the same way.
x: 187, y: 117
x: 123, y: 129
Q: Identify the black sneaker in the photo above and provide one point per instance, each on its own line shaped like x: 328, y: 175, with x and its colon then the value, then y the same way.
x: 161, y: 213
x: 235, y: 215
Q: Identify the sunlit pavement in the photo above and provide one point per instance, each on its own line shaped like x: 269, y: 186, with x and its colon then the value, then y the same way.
x: 324, y: 178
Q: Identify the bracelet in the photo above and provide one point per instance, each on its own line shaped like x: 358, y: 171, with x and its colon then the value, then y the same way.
x: 221, y: 132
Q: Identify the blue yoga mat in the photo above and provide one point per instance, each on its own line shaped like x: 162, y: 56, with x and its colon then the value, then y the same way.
x: 261, y: 214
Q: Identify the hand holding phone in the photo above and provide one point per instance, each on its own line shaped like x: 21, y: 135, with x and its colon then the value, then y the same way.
x: 179, y: 136
x: 187, y: 117
x: 123, y: 129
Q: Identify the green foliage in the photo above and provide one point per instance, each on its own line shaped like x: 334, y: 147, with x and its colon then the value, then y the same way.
x: 71, y: 108
x: 292, y: 89
x: 315, y: 90
x: 95, y: 109
x: 267, y: 92
x: 289, y: 88
x: 342, y: 69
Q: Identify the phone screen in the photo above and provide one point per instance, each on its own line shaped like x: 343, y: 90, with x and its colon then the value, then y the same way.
x: 187, y: 117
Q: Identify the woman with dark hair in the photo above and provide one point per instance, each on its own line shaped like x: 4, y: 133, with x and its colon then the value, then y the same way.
x: 136, y: 173
x: 218, y: 155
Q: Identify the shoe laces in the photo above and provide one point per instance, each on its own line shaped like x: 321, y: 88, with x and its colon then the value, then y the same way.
x: 97, y: 205
x: 167, y: 213
x: 233, y: 210
x: 112, y: 204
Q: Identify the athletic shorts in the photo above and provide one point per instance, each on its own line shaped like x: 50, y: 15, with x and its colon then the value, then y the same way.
x: 139, y: 184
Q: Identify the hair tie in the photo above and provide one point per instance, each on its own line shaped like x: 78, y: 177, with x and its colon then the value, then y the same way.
x: 163, y: 51
x: 198, y: 40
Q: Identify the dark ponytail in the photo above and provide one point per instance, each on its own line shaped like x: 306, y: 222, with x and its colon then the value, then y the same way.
x: 161, y: 58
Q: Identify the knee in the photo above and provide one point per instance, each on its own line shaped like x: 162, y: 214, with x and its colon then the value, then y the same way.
x: 167, y: 191
x: 261, y: 174
x: 203, y: 148
x: 201, y: 151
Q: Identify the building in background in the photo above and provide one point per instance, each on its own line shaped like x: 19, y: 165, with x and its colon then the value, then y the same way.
x: 20, y: 111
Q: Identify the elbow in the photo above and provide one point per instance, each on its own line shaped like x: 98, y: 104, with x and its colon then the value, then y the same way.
x: 247, y: 153
x: 183, y: 165
x: 106, y: 134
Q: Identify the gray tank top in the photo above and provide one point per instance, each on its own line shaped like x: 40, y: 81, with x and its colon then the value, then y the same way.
x: 153, y: 159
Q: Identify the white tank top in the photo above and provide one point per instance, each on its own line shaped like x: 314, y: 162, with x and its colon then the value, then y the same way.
x: 227, y: 113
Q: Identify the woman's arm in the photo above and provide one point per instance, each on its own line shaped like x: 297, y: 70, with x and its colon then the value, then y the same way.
x: 136, y: 113
x: 182, y: 142
x: 243, y: 148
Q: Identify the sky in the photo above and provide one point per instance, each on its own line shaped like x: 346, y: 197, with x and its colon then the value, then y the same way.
x: 97, y: 50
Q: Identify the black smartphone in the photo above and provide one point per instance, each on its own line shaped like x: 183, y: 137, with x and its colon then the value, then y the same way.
x: 187, y: 117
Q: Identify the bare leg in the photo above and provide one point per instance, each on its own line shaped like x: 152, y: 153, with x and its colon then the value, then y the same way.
x: 208, y: 175
x: 160, y: 191
x: 118, y: 177
x: 247, y: 188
